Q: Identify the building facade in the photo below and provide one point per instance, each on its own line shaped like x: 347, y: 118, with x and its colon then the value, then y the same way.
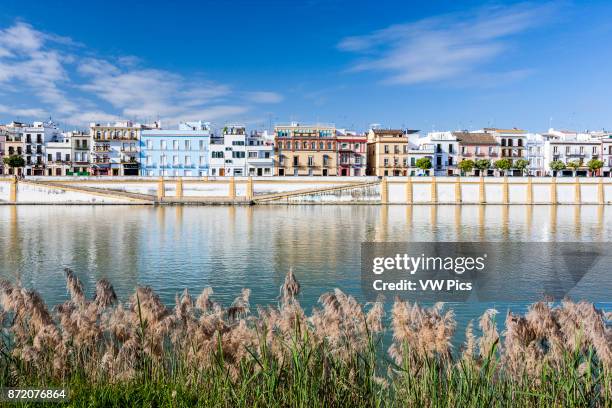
x: 114, y: 148
x: 175, y: 153
x: 80, y: 149
x: 306, y: 150
x: 259, y: 155
x: 389, y: 152
x: 446, y: 152
x: 571, y: 147
x: 352, y: 153
x: 606, y: 151
x: 478, y: 146
x: 28, y: 141
x: 512, y: 143
x: 2, y: 147
x: 59, y: 155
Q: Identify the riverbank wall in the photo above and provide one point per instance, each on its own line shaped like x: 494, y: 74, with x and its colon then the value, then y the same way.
x: 306, y: 190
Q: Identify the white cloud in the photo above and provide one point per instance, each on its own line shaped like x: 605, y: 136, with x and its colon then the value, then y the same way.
x: 77, y: 89
x: 264, y: 97
x: 444, y: 47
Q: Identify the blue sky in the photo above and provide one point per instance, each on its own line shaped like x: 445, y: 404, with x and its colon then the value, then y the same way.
x: 426, y: 65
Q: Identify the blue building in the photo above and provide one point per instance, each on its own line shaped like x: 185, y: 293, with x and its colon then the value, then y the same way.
x: 176, y: 153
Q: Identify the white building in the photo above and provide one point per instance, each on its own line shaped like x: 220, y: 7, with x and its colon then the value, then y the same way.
x: 535, y: 154
x: 446, y: 151
x: 31, y: 142
x: 58, y: 155
x: 569, y: 146
x: 606, y: 149
x: 259, y: 155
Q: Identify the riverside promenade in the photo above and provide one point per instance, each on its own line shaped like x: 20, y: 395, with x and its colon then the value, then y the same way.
x: 306, y: 190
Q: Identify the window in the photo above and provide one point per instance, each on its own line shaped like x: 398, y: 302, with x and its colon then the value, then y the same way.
x: 450, y: 148
x: 412, y: 161
x: 386, y: 161
x: 238, y: 155
x: 396, y: 161
x: 321, y: 145
x: 357, y: 146
x: 175, y: 144
x: 217, y: 155
x: 329, y: 145
x: 313, y: 145
x: 310, y: 160
x: 386, y: 149
x: 201, y: 145
x: 296, y: 160
x: 567, y: 150
x: 305, y: 145
x: 162, y: 159
x: 175, y: 160
x: 162, y: 144
x: 325, y: 160
x: 252, y: 155
x: 202, y: 160
x: 477, y: 150
x: 187, y: 160
x: 396, y: 149
x: 281, y: 160
x: 238, y: 143
x: 556, y: 149
x: 187, y: 145
x: 149, y: 160
x: 405, y: 162
x: 406, y: 149
x: 49, y: 157
x: 450, y: 161
x: 149, y: 144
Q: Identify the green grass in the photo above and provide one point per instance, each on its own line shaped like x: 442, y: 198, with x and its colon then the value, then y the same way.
x: 310, y: 377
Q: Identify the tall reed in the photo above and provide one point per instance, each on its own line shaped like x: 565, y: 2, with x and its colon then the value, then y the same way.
x: 199, y: 352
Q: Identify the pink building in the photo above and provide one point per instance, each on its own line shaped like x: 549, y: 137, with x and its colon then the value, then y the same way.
x: 352, y: 153
x: 2, y: 148
x: 478, y: 146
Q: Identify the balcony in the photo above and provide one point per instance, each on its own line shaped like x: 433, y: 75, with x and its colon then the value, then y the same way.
x: 129, y: 150
x: 101, y: 160
x: 466, y: 154
x: 101, y: 149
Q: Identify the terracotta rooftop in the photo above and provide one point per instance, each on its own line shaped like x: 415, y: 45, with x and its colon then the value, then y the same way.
x: 467, y: 138
x: 393, y: 131
x: 513, y: 130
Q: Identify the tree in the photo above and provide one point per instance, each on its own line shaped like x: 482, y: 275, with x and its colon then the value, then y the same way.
x: 594, y: 165
x: 14, y: 161
x: 574, y: 165
x: 466, y: 166
x: 503, y: 165
x: 424, y: 163
x: 483, y: 165
x: 557, y: 165
x: 521, y: 165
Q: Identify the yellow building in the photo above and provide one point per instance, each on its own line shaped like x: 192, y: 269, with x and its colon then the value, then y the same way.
x: 389, y: 152
x: 305, y: 150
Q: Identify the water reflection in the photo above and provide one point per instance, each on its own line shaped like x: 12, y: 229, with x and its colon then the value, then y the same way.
x: 170, y: 248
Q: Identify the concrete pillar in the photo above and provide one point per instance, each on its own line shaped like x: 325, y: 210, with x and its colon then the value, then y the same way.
x: 232, y: 187
x: 434, y: 190
x: 553, y: 191
x: 505, y: 191
x: 529, y: 191
x: 458, y: 197
x: 577, y: 195
x: 409, y: 190
x: 13, y: 190
x: 161, y: 188
x: 384, y: 191
x: 179, y: 187
x: 249, y: 189
x: 601, y: 199
x: 482, y: 197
